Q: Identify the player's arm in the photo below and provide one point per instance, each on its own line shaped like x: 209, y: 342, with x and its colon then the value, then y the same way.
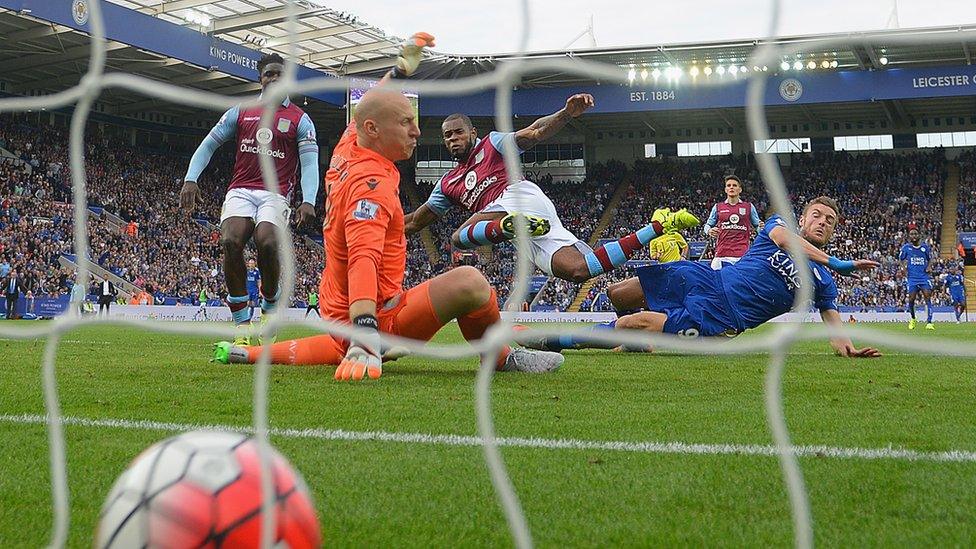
x: 780, y: 235
x: 685, y: 248
x: 655, y: 249
x: 223, y: 131
x: 308, y: 156
x: 411, y: 54
x: 843, y: 345
x: 436, y: 206
x: 548, y: 126
x: 365, y: 224
x: 710, y: 225
x: 754, y: 218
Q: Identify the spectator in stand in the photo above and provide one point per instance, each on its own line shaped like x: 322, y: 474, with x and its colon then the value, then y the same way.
x: 12, y: 289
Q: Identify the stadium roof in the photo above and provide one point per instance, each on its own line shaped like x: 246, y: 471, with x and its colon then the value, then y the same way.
x: 861, y: 50
x: 326, y: 39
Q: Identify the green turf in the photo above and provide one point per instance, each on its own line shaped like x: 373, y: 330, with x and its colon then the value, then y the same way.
x: 398, y: 494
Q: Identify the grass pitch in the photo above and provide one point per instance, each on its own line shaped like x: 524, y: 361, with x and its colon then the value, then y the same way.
x: 382, y: 493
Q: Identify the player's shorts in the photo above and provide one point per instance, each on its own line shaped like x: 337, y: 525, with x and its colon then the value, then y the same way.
x: 691, y: 295
x: 957, y: 299
x: 916, y: 285
x: 719, y: 262
x: 409, y: 314
x: 526, y: 197
x: 256, y: 204
x: 254, y: 298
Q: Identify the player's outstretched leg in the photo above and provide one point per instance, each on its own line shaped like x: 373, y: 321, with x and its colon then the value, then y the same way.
x: 569, y: 264
x: 494, y: 228
x: 462, y: 293
x: 644, y: 320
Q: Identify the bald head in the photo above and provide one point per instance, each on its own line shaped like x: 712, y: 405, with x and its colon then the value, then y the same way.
x: 386, y: 124
x: 378, y: 103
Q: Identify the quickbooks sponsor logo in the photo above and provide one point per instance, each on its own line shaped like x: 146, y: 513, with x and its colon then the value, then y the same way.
x: 247, y: 146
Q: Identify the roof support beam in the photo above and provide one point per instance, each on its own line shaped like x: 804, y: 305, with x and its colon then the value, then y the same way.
x: 75, y: 77
x: 872, y: 55
x: 174, y: 5
x: 308, y: 35
x: 260, y: 18
x: 371, y: 65
x: 351, y: 50
x: 39, y: 32
x: 969, y: 55
x: 70, y: 54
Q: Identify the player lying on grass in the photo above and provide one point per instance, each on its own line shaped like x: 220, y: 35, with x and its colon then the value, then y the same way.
x: 479, y: 184
x: 689, y: 299
x: 366, y: 249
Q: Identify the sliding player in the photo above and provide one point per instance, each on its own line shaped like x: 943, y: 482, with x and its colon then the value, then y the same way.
x: 366, y: 250
x: 249, y: 210
x: 479, y: 184
x: 689, y: 299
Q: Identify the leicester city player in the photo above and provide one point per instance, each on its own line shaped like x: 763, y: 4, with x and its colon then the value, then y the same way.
x: 917, y: 255
x: 688, y: 298
x: 957, y: 291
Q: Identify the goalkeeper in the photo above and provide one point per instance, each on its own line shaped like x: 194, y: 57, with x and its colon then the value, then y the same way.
x: 366, y: 250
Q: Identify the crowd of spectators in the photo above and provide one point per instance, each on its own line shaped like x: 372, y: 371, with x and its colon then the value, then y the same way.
x: 138, y: 231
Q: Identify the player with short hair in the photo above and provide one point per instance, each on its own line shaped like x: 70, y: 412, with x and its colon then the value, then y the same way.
x: 479, y: 184
x: 313, y: 304
x: 250, y: 210
x: 362, y: 283
x: 731, y: 223
x: 253, y: 282
x: 955, y: 283
x: 917, y: 257
x: 689, y: 299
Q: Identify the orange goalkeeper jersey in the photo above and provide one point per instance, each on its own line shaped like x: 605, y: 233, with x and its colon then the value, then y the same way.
x: 365, y: 247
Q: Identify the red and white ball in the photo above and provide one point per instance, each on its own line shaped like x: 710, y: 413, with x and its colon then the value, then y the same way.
x: 203, y: 489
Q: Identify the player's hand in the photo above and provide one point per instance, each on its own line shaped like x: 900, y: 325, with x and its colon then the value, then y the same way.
x: 713, y: 232
x: 865, y: 265
x: 850, y: 351
x: 578, y: 104
x: 412, y: 52
x: 357, y: 364
x: 190, y: 196
x: 362, y: 358
x: 304, y: 215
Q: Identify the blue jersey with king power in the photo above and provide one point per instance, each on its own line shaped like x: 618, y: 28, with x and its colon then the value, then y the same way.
x: 761, y: 285
x: 956, y: 289
x: 253, y: 277
x: 918, y: 258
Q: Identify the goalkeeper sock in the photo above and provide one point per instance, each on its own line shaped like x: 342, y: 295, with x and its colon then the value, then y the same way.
x: 269, y: 305
x: 482, y: 233
x: 474, y: 324
x: 320, y: 349
x: 614, y: 254
x: 239, y: 308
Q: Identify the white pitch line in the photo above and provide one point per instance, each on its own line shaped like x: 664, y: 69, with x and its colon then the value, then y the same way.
x: 899, y: 454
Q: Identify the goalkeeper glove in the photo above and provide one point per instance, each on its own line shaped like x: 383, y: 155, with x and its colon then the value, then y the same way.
x: 363, y: 355
x: 411, y: 54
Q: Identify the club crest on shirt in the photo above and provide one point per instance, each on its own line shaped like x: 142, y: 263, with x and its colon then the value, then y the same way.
x: 284, y: 125
x: 470, y: 180
x: 264, y: 136
x: 479, y: 157
x: 365, y: 210
x: 742, y: 211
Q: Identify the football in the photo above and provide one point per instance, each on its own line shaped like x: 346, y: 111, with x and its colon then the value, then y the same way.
x: 203, y: 489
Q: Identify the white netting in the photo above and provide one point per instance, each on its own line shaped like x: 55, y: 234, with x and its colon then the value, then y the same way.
x: 776, y: 342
